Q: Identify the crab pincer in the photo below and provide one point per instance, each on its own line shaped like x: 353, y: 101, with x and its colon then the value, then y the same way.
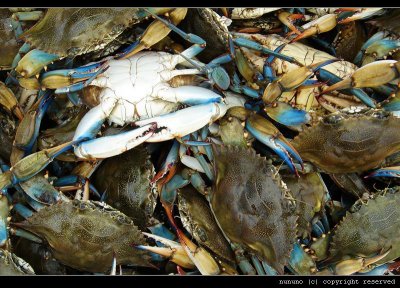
x: 265, y: 132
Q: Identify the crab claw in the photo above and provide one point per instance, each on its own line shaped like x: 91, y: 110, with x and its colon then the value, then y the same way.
x: 371, y: 75
x: 173, y: 250
x: 31, y: 165
x: 200, y: 257
x: 386, y: 172
x: 185, y: 121
x: 100, y: 147
x: 287, y: 115
x: 287, y: 19
x: 265, y: 132
x: 292, y: 80
x: 380, y: 49
x: 8, y: 101
x: 362, y: 13
x: 351, y: 266
x: 33, y: 62
x: 323, y: 24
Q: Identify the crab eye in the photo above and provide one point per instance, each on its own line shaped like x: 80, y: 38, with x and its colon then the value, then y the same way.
x: 333, y: 119
x: 380, y: 114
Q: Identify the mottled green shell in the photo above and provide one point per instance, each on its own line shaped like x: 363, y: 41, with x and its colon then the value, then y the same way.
x: 198, y: 219
x: 86, y: 234
x: 126, y: 180
x: 74, y: 31
x: 309, y: 192
x: 8, y: 43
x: 374, y: 228
x: 252, y: 206
x: 7, y: 133
x: 11, y: 265
x: 346, y: 143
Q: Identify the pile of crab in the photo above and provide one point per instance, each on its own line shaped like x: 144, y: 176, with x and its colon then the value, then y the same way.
x: 199, y: 141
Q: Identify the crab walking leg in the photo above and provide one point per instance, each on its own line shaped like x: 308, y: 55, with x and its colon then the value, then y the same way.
x: 109, y: 146
x: 185, y: 121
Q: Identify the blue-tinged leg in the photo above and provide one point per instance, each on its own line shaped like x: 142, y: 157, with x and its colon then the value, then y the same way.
x: 268, y: 269
x: 74, y: 182
x: 4, y: 213
x: 331, y: 78
x: 242, y: 42
x: 393, y: 172
x: 378, y: 271
x: 377, y: 36
x: 162, y: 231
x: 268, y: 72
x: 257, y: 264
x: 83, y: 75
x: 243, y: 89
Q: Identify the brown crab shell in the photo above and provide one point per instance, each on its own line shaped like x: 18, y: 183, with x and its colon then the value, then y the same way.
x: 371, y: 230
x: 252, y: 205
x: 74, y: 31
x: 354, y: 144
x: 126, y: 179
x: 85, y: 235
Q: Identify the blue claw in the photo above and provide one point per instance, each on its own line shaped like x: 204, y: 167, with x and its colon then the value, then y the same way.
x: 393, y: 172
x: 265, y: 132
x: 23, y: 211
x: 287, y: 115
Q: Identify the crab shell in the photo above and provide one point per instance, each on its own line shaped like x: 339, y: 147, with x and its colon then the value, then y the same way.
x: 251, y: 205
x: 75, y: 31
x: 371, y: 230
x: 126, y: 179
x: 197, y: 218
x: 86, y: 235
x: 347, y: 143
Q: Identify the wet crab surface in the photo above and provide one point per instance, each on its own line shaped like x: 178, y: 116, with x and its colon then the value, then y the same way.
x: 292, y: 167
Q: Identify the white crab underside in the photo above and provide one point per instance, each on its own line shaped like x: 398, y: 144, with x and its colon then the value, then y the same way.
x: 138, y: 86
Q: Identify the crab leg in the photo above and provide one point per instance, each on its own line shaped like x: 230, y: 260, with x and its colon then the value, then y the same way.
x: 242, y: 42
x: 331, y: 78
x: 361, y: 13
x: 371, y: 75
x: 268, y: 134
x: 215, y: 73
x: 154, y: 33
x: 386, y: 172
